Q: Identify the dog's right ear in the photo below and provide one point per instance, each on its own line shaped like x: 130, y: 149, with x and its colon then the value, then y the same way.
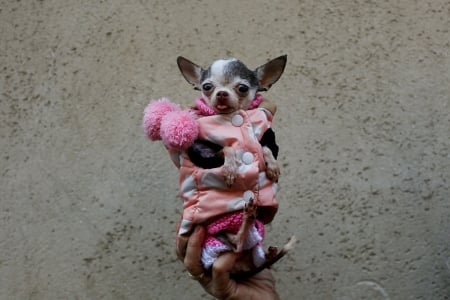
x: 191, y: 72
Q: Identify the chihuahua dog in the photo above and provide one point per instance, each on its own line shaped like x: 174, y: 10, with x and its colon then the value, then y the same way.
x: 227, y: 86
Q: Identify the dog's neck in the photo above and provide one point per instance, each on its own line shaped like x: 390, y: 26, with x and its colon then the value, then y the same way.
x: 205, y: 110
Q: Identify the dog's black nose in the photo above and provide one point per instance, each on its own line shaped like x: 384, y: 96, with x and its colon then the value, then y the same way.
x: 222, y: 96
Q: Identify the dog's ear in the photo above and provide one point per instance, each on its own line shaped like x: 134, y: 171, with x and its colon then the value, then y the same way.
x: 270, y: 72
x: 191, y: 72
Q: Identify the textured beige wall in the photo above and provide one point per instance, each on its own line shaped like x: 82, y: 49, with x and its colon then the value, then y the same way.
x: 88, y: 206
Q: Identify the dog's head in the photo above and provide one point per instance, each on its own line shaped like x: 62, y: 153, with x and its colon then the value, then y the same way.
x: 227, y: 84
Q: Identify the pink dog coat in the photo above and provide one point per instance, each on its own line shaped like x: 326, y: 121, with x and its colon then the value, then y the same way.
x: 207, y: 198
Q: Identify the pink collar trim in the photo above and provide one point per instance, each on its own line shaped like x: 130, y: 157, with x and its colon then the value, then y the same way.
x: 205, y: 110
x: 256, y: 102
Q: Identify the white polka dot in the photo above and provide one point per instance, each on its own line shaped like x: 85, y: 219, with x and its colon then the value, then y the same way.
x: 237, y: 120
x: 247, y: 158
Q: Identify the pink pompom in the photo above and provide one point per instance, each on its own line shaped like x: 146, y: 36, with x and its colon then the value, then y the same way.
x: 153, y: 114
x: 179, y: 129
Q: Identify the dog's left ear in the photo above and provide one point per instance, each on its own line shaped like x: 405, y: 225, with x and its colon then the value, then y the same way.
x: 191, y: 72
x: 270, y: 72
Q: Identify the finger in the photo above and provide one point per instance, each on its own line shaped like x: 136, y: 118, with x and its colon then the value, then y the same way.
x: 222, y: 285
x: 192, y: 260
x: 182, y: 241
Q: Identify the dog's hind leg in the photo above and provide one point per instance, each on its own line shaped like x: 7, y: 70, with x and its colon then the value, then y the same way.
x: 248, y: 221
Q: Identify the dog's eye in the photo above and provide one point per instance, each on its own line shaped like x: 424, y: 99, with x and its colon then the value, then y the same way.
x: 242, y: 88
x: 207, y: 86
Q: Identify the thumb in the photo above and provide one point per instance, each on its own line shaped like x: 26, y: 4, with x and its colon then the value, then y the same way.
x: 222, y: 285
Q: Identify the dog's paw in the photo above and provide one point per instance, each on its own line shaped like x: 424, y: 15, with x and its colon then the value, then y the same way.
x: 229, y: 174
x: 271, y: 253
x: 273, y: 171
x: 250, y: 209
x: 230, y: 165
x: 272, y: 168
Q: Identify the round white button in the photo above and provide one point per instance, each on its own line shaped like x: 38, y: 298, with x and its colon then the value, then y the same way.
x: 248, y: 195
x: 247, y: 158
x: 237, y: 120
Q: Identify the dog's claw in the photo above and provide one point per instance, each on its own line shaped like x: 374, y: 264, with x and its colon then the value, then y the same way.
x: 250, y: 209
x: 271, y: 253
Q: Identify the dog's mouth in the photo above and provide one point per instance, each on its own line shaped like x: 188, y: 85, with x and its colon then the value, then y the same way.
x: 223, y: 107
x: 224, y: 103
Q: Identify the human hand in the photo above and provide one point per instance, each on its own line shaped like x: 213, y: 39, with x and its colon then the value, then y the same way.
x: 219, y: 281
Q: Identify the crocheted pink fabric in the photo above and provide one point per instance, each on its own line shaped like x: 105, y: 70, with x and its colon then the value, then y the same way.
x: 153, y: 115
x: 203, y: 108
x: 256, y: 102
x: 166, y: 121
x: 212, y: 246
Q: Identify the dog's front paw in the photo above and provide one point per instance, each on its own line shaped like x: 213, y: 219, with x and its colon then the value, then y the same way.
x: 230, y: 165
x: 273, y: 171
x: 229, y: 174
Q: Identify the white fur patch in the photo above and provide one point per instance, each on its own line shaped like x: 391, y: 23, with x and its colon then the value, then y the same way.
x: 217, y: 68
